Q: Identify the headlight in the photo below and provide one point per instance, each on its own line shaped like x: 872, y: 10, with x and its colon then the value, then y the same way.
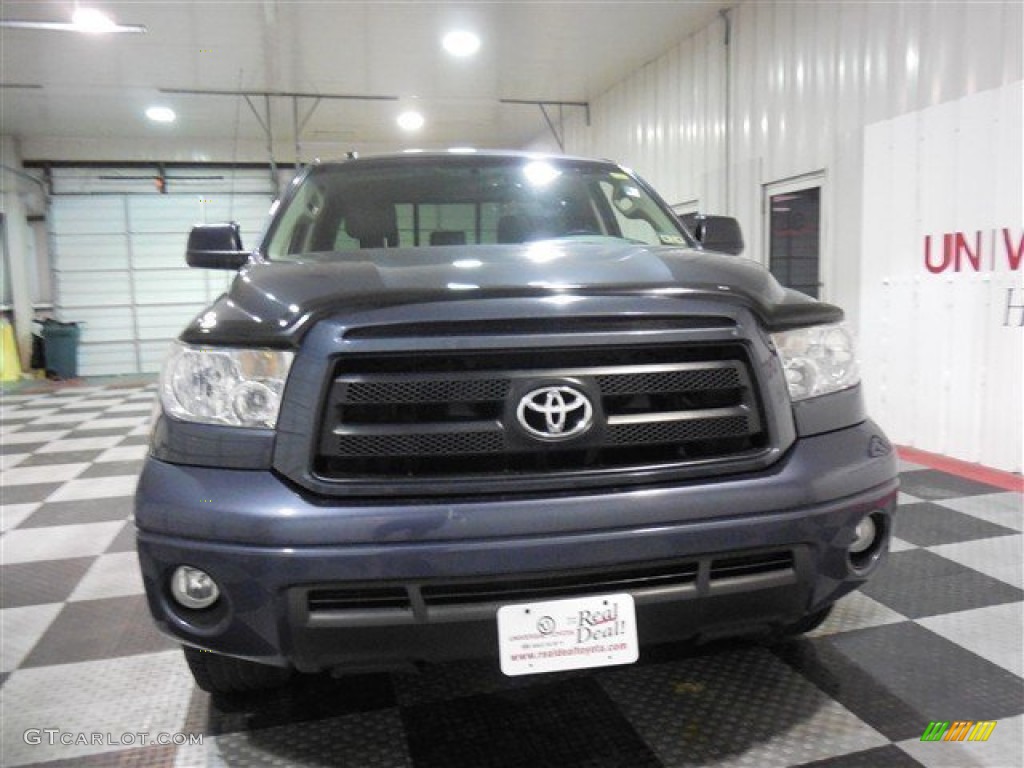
x: 221, y: 385
x: 817, y: 360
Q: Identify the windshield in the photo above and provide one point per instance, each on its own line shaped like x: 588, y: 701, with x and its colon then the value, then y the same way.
x: 423, y: 202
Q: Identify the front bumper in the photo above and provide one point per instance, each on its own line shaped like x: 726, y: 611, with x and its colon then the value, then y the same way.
x: 267, y: 545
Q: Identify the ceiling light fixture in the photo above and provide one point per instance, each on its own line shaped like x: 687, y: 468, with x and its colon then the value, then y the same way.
x: 84, y: 20
x: 461, y: 43
x: 410, y: 121
x: 92, y: 21
x: 161, y: 114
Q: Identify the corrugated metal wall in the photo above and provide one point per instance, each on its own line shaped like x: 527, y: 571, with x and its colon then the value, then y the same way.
x: 804, y: 81
x: 119, y: 256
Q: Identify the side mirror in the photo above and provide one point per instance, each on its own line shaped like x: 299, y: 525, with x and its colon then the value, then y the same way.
x: 215, y: 246
x: 715, y: 233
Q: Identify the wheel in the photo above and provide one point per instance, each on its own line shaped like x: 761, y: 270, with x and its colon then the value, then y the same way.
x: 225, y: 674
x: 808, y: 623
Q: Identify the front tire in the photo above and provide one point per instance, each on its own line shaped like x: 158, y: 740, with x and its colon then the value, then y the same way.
x: 215, y: 673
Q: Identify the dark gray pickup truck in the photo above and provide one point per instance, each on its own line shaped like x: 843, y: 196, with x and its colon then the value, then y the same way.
x: 498, y: 405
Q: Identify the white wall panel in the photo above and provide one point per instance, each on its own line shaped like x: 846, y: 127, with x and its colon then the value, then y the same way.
x: 944, y: 364
x: 805, y: 80
x: 90, y: 252
x: 164, y: 323
x: 119, y: 256
x: 89, y: 215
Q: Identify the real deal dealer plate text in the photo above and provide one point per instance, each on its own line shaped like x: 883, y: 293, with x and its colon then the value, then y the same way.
x: 577, y: 633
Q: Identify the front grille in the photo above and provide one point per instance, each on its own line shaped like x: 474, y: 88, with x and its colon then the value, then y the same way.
x: 636, y: 579
x: 452, y: 415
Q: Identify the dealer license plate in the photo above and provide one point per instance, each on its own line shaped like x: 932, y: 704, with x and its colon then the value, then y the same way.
x: 577, y: 633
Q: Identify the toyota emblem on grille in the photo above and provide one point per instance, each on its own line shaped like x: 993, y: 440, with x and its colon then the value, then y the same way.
x: 555, y: 413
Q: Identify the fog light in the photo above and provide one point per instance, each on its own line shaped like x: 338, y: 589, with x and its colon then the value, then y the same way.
x: 865, y: 535
x: 193, y: 588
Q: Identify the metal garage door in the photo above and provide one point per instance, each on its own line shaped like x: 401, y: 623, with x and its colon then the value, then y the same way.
x: 118, y: 256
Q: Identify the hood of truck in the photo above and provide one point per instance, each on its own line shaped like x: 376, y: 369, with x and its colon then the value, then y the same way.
x: 275, y: 303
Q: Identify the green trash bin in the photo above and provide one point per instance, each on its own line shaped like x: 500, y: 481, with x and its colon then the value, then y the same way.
x: 60, y: 344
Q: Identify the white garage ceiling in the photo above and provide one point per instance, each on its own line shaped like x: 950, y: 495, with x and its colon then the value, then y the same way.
x: 70, y: 86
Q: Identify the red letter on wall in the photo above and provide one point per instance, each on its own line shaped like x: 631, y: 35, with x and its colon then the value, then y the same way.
x: 946, y: 254
x: 1013, y: 255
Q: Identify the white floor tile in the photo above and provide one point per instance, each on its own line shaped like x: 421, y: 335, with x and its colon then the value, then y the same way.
x: 124, y: 453
x: 95, y: 404
x: 25, y: 414
x: 1001, y: 557
x: 95, y: 488
x: 128, y: 421
x: 906, y: 498
x: 21, y: 629
x: 999, y: 508
x: 10, y: 429
x: 899, y: 545
x: 53, y: 473
x: 856, y: 611
x: 82, y: 444
x: 110, y: 575
x: 57, y: 542
x: 10, y: 460
x: 140, y: 409
x: 67, y: 417
x: 23, y: 438
x: 146, y: 693
x: 995, y: 633
x: 11, y: 515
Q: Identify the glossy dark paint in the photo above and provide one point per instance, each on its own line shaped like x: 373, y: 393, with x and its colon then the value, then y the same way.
x: 274, y: 304
x: 243, y: 505
x: 261, y: 536
x: 215, y: 246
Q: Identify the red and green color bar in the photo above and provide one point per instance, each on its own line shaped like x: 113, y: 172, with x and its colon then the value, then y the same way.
x: 959, y: 730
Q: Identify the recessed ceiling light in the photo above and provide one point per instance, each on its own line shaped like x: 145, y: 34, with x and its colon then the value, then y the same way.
x: 462, y: 150
x: 461, y: 43
x: 92, y: 21
x: 161, y: 114
x: 410, y: 121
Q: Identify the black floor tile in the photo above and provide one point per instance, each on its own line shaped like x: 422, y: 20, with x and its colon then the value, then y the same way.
x: 111, y: 468
x: 134, y: 440
x: 98, y: 629
x: 47, y: 581
x: 889, y: 756
x: 77, y: 434
x: 928, y: 525
x: 569, y: 724
x: 124, y: 541
x: 899, y: 677
x: 306, y: 698
x: 61, y: 457
x: 932, y: 485
x: 919, y: 583
x: 27, y: 494
x: 9, y: 448
x: 27, y: 428
x: 80, y: 511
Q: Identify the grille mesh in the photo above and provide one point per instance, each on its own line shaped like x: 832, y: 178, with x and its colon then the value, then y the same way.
x: 421, y: 444
x: 393, y: 418
x: 677, y: 431
x: 433, y: 391
x: 672, y: 381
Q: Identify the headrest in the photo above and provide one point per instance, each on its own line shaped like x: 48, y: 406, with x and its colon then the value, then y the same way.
x: 372, y: 222
x: 448, y: 237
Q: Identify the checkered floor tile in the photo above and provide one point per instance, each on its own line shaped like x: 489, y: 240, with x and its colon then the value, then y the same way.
x: 87, y: 681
